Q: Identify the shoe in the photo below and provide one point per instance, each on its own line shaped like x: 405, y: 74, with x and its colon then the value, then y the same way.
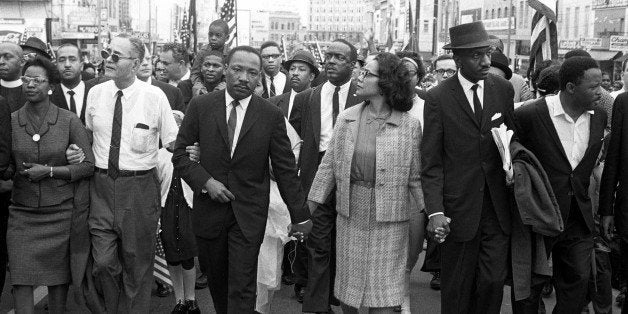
x: 180, y: 308
x: 201, y: 282
x: 334, y: 301
x: 299, y: 293
x: 435, y: 282
x: 192, y: 307
x: 287, y: 280
x: 163, y: 290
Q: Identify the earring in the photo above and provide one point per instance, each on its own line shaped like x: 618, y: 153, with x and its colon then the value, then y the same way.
x: 50, y: 92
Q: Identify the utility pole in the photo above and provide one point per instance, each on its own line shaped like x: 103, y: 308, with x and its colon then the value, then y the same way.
x: 417, y: 21
x: 509, y: 29
x: 435, y: 29
x: 98, y: 14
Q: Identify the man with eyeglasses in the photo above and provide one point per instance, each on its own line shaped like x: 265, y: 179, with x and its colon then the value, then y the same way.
x: 161, y: 74
x: 313, y: 116
x: 444, y: 67
x: 127, y: 117
x: 466, y: 198
x: 274, y: 81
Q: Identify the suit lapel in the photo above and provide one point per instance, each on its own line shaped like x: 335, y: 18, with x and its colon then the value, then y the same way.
x: 544, y: 116
x: 251, y: 115
x: 315, y: 112
x: 489, y: 105
x: 284, y: 104
x: 596, y: 133
x: 462, y: 101
x: 59, y: 98
x: 220, y: 116
x: 353, y: 124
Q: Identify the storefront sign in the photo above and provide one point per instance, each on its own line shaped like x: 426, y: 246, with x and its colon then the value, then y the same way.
x: 591, y: 42
x: 618, y: 43
x: 569, y: 44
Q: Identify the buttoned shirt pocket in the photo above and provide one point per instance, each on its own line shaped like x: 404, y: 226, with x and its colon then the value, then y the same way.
x: 143, y: 137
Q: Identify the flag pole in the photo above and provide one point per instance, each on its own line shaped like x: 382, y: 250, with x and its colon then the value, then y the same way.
x: 235, y: 5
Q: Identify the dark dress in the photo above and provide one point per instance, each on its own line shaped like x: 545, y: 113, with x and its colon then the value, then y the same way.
x: 177, y: 235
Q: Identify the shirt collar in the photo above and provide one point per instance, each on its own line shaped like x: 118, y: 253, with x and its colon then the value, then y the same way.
x: 557, y: 107
x: 244, y: 103
x: 127, y: 92
x: 65, y: 89
x: 343, y: 87
x: 185, y: 76
x: 11, y: 84
x: 149, y: 81
x: 466, y: 84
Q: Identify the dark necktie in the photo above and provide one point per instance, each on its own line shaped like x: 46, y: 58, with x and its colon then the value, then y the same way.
x: 272, y: 87
x: 477, y: 106
x: 116, y: 132
x: 336, y: 104
x: 72, y: 102
x: 232, y: 122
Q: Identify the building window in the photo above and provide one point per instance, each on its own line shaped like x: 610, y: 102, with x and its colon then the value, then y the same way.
x: 505, y: 12
x: 499, y: 13
x: 566, y: 19
x: 492, y: 13
x: 486, y: 15
x: 526, y: 16
x: 587, y: 12
x: 576, y: 16
x: 426, y: 26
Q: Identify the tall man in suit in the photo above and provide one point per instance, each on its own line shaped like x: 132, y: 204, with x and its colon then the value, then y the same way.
x: 238, y: 132
x: 71, y: 93
x: 565, y: 132
x: 464, y: 185
x: 313, y: 116
x: 274, y: 81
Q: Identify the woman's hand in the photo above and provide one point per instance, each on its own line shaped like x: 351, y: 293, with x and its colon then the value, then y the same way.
x: 194, y: 152
x: 35, y: 172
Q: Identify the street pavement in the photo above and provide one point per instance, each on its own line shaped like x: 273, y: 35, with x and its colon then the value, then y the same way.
x: 424, y: 299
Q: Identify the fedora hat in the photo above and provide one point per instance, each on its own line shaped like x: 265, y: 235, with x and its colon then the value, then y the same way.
x: 468, y: 36
x: 36, y: 44
x: 303, y: 56
x: 500, y: 61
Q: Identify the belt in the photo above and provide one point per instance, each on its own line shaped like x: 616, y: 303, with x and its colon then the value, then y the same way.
x: 367, y: 184
x: 125, y: 173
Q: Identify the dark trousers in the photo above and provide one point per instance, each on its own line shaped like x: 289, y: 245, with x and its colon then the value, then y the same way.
x: 600, y: 291
x: 623, y: 247
x: 432, y: 256
x: 299, y: 263
x: 123, y: 227
x: 473, y: 272
x: 5, y: 201
x: 231, y: 262
x: 571, y: 257
x: 321, y: 247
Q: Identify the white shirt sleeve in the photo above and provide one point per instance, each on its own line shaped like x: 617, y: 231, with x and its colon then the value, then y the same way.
x: 167, y: 125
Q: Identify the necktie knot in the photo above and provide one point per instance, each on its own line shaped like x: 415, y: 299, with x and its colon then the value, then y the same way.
x: 120, y: 93
x: 337, y: 89
x: 71, y: 92
x: 475, y: 87
x: 235, y: 104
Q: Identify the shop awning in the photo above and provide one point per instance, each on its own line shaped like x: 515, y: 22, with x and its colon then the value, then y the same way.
x: 604, y: 55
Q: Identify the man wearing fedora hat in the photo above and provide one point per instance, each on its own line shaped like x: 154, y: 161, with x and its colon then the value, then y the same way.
x: 301, y: 70
x: 464, y: 185
x: 35, y: 46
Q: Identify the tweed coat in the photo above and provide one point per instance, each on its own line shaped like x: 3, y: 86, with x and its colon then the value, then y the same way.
x: 397, y: 165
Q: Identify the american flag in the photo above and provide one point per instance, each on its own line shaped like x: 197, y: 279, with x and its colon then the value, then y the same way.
x: 544, y: 35
x: 160, y: 266
x: 228, y: 13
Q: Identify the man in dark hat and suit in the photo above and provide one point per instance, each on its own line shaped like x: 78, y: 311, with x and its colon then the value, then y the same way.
x: 301, y: 70
x: 466, y: 197
x: 35, y: 47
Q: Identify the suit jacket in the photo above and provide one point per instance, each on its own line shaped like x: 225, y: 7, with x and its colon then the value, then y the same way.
x: 306, y: 120
x: 246, y: 174
x: 538, y: 134
x: 174, y: 95
x: 5, y: 135
x: 58, y: 98
x: 397, y: 165
x: 460, y: 158
x: 279, y: 91
x: 613, y: 192
x: 283, y: 102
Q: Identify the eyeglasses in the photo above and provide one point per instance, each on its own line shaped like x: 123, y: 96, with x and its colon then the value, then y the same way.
x: 366, y: 73
x: 35, y: 80
x: 449, y: 72
x: 338, y: 56
x: 274, y: 56
x: 106, y: 53
x: 478, y: 54
x: 30, y: 56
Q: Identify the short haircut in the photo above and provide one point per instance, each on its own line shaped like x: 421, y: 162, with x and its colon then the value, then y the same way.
x: 353, y: 52
x: 137, y: 45
x: 89, y: 65
x: 394, y: 82
x: 216, y: 53
x: 420, y: 71
x: 248, y: 49
x: 548, y: 81
x: 540, y: 67
x: 222, y: 24
x: 52, y: 72
x: 179, y: 52
x: 269, y: 43
x: 572, y: 70
x: 577, y: 53
x: 78, y: 50
x: 440, y: 58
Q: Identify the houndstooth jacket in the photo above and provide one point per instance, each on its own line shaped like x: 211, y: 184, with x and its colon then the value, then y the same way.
x: 397, y: 165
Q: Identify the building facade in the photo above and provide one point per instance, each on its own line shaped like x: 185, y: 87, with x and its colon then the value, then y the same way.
x: 331, y: 19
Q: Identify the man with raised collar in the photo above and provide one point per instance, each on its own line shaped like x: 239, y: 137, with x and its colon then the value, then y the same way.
x: 71, y: 93
x: 11, y: 62
x: 313, y: 116
x: 301, y: 72
x: 175, y: 58
x: 274, y: 81
x: 466, y: 197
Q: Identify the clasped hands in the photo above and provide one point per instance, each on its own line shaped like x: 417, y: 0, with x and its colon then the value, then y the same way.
x: 438, y: 227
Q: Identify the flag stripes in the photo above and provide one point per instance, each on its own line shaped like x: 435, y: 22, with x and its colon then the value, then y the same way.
x: 228, y: 13
x: 544, y: 36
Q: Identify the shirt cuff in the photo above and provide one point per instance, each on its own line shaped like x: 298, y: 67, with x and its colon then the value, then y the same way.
x: 303, y: 222
x: 434, y: 214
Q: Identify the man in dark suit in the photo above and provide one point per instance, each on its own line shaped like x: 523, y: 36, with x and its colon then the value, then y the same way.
x: 313, y: 116
x: 174, y: 95
x: 71, y: 93
x: 274, y: 81
x: 463, y: 181
x: 237, y: 133
x: 566, y: 132
x: 302, y: 71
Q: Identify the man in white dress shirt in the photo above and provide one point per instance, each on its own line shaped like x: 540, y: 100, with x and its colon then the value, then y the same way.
x: 274, y: 81
x: 128, y: 117
x: 71, y: 94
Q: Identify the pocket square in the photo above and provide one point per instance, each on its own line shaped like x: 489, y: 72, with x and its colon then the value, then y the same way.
x: 496, y: 116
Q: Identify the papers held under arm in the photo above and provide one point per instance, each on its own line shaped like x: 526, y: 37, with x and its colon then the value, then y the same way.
x: 502, y: 137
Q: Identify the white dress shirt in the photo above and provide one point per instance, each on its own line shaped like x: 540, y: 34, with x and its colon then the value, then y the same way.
x: 416, y: 111
x: 142, y: 105
x: 79, y: 94
x: 617, y: 92
x: 574, y: 135
x: 292, y: 95
x: 10, y: 84
x: 241, y: 111
x: 185, y: 76
x: 327, y: 111
x: 279, y: 81
x: 466, y: 87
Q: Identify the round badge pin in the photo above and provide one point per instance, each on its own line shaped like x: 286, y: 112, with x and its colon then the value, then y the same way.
x: 36, y: 137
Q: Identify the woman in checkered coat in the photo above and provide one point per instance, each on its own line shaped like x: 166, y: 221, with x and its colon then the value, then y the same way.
x: 373, y: 161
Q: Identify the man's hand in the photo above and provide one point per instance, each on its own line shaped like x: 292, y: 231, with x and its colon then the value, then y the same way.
x: 74, y: 154
x: 438, y: 227
x: 608, y: 225
x: 35, y: 172
x: 218, y: 192
x: 194, y: 152
x: 301, y: 230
